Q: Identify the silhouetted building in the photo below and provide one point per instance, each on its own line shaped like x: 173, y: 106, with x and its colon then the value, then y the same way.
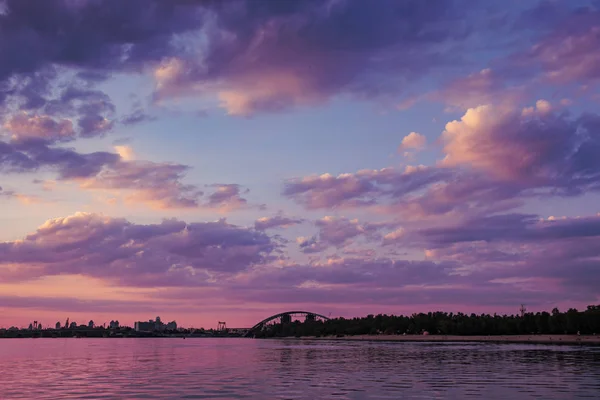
x: 91, y: 324
x: 73, y: 325
x: 172, y: 326
x: 113, y: 324
x: 141, y: 326
x: 154, y: 325
x: 57, y: 326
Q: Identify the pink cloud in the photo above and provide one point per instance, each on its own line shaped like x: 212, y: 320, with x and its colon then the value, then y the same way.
x: 23, y: 198
x: 286, y: 51
x: 361, y: 189
x: 476, y: 89
x: 535, y: 146
x: 341, y: 232
x: 277, y: 221
x: 23, y: 126
x: 522, y: 260
x: 227, y: 197
x: 412, y: 141
x: 156, y: 184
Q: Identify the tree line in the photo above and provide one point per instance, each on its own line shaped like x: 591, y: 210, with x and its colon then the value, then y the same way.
x: 556, y: 322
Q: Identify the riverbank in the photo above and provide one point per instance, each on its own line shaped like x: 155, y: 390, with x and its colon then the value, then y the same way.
x: 534, y: 339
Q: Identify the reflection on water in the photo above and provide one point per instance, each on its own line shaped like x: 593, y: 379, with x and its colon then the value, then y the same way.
x: 292, y: 369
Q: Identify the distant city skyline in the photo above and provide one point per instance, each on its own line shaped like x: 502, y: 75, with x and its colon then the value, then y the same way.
x: 227, y: 161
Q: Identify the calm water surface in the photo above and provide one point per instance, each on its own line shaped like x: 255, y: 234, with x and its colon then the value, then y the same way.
x: 292, y: 369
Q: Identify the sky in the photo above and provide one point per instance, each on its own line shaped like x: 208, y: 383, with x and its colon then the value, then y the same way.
x: 226, y: 161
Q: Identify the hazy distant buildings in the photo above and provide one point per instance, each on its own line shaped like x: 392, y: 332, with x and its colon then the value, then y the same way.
x: 35, y: 326
x: 57, y: 326
x: 73, y: 325
x: 113, y: 324
x: 154, y: 325
x: 141, y: 326
x: 91, y: 324
x: 171, y: 326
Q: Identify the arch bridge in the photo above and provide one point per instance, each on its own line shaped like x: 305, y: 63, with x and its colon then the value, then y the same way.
x: 287, y: 317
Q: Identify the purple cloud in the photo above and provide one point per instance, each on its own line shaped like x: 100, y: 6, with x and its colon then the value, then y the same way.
x: 54, y: 108
x: 341, y: 232
x: 62, y: 304
x: 31, y: 155
x: 166, y: 254
x: 305, y: 53
x: 515, y: 228
x: 22, y: 126
x: 272, y: 43
x: 569, y: 51
x: 156, y: 184
x: 521, y: 249
x: 496, y: 157
x: 107, y: 35
x: 414, y: 191
x: 137, y: 116
x: 159, y: 185
x: 226, y: 197
x: 337, y: 231
x: 363, y: 188
x: 536, y: 146
x: 277, y: 221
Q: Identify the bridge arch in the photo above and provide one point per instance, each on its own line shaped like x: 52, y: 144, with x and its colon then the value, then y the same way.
x: 283, y: 315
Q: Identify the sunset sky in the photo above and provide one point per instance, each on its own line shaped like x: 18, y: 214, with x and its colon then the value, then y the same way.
x: 225, y: 161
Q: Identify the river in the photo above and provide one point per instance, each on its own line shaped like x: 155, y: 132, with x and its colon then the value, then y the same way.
x: 293, y: 369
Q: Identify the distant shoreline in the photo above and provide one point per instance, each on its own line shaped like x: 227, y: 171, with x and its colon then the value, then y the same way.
x: 533, y: 339
x: 588, y: 340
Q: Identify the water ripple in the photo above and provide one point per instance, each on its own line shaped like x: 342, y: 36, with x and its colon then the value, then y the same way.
x: 293, y: 369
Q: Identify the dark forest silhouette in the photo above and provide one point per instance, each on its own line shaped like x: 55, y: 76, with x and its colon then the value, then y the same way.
x: 555, y: 322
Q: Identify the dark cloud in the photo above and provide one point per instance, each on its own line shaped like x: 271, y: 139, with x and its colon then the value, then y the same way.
x: 94, y: 35
x: 59, y: 41
x: 268, y: 56
x: 301, y: 52
x: 305, y: 53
